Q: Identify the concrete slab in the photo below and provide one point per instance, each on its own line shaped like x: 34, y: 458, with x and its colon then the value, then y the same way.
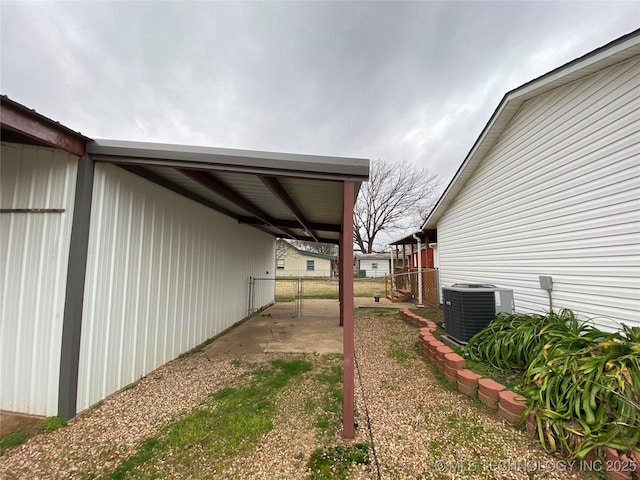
x: 278, y: 330
x: 267, y: 333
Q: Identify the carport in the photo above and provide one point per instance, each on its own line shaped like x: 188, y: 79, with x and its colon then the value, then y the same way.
x: 113, y: 270
x: 301, y: 197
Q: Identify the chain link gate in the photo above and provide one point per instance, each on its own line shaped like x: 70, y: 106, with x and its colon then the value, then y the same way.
x: 294, y: 296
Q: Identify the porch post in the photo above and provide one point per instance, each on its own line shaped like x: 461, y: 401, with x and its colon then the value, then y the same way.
x: 346, y: 313
x: 404, y: 257
x: 340, y: 276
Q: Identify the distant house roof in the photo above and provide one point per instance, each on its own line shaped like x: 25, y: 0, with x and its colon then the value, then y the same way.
x: 408, y: 239
x: 373, y: 256
x: 308, y: 253
x: 617, y: 51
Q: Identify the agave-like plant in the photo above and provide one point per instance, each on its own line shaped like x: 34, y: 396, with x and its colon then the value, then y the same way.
x: 587, y: 397
x: 508, y: 343
x: 513, y: 341
x: 584, y: 384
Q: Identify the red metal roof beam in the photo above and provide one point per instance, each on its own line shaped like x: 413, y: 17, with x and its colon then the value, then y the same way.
x: 278, y: 190
x: 209, y: 181
x: 30, y: 123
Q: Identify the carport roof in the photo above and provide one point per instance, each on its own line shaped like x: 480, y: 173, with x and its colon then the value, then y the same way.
x: 287, y: 195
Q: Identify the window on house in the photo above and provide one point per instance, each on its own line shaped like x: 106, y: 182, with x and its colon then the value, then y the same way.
x: 311, y: 265
x: 280, y: 264
x: 374, y: 266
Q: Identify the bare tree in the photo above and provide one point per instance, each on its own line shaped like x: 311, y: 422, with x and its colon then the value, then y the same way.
x: 395, y: 199
x: 317, y: 247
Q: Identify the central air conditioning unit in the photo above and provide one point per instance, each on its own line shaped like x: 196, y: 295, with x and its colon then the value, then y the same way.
x: 468, y: 308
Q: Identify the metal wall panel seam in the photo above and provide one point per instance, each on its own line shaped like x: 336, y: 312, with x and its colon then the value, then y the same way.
x: 179, y: 250
x: 32, y: 356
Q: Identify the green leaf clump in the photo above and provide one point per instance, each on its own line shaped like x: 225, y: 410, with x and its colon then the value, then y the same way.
x: 582, y: 383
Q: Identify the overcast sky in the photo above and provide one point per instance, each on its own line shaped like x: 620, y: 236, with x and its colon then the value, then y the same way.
x: 390, y: 80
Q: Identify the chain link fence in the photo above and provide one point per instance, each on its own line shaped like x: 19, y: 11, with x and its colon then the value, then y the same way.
x: 306, y: 296
x: 294, y: 297
x: 404, y: 287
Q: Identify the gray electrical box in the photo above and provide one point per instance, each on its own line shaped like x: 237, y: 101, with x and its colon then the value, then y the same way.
x: 546, y: 283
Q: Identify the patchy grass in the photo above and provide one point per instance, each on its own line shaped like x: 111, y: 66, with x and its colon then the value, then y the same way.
x: 130, y: 386
x: 50, y: 424
x: 16, y: 429
x: 12, y: 440
x: 225, y: 425
x: 335, y: 462
x: 399, y: 354
x: 465, y: 429
x: 390, y: 386
x: 328, y: 406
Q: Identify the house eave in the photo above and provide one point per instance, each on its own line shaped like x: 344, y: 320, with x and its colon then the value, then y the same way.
x: 620, y: 50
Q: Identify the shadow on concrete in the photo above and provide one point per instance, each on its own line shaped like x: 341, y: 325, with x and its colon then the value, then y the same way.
x: 278, y: 330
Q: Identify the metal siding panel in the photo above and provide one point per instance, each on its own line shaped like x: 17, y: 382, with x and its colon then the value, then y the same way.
x: 33, y: 262
x: 164, y: 274
x: 558, y: 195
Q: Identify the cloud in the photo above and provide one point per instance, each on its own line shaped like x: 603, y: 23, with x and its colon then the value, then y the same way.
x: 406, y: 80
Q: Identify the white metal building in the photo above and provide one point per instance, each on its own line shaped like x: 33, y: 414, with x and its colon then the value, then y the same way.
x: 373, y: 265
x: 552, y: 187
x: 117, y: 257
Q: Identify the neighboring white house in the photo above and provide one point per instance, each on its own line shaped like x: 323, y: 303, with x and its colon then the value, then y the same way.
x: 373, y: 265
x: 552, y: 188
x: 294, y: 262
x: 119, y: 256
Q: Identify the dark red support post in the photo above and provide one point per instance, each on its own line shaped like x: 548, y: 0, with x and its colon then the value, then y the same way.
x: 340, y: 277
x: 346, y: 310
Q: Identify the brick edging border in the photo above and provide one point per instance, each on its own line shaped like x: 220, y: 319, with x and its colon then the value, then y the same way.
x: 495, y: 396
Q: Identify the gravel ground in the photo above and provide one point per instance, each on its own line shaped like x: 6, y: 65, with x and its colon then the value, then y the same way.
x: 421, y: 429
x: 101, y: 437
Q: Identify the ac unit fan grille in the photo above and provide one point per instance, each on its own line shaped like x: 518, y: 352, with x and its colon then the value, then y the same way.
x: 467, y: 312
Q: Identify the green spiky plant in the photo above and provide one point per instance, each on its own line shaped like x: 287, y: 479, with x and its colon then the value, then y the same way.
x: 587, y: 395
x: 584, y: 384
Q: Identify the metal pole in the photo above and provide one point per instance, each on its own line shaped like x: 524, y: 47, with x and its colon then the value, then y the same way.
x: 250, y: 296
x: 348, y: 345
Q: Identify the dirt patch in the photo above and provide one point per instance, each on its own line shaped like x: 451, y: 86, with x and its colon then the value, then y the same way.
x: 18, y: 423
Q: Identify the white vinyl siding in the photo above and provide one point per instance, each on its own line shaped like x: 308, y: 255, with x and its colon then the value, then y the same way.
x: 374, y: 268
x: 558, y: 195
x: 34, y: 255
x: 163, y: 274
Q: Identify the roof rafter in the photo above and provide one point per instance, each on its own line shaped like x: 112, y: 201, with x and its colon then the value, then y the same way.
x: 209, y: 181
x: 278, y: 190
x: 326, y: 227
